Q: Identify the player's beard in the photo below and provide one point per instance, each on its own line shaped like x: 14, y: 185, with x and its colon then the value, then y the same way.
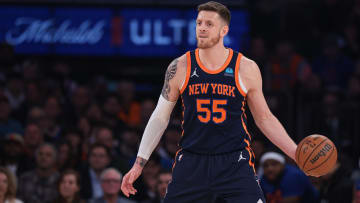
x: 207, y: 44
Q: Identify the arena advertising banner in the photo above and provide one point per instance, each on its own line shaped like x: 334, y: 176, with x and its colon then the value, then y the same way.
x: 103, y: 31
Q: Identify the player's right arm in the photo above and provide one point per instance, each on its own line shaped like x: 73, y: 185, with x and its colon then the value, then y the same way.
x: 174, y: 79
x: 264, y: 119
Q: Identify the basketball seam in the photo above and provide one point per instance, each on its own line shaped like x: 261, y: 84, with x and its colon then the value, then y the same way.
x: 313, y: 152
x: 298, y: 154
x: 323, y: 161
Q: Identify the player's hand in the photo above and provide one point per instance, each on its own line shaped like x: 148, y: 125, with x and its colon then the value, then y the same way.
x: 127, y: 183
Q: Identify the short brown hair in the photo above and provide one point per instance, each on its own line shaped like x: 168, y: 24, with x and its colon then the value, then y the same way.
x: 60, y: 198
x: 69, y: 172
x: 219, y: 8
x: 99, y: 145
x: 11, y: 190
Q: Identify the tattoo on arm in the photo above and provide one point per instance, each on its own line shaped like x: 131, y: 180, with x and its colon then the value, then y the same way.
x: 140, y: 161
x: 170, y: 73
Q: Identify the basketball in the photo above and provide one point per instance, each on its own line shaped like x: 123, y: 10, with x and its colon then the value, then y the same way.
x: 316, y: 155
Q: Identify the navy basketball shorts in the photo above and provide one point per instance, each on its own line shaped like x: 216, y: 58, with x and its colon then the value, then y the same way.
x: 201, y: 178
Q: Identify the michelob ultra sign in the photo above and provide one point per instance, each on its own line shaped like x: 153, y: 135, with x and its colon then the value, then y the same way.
x: 102, y: 31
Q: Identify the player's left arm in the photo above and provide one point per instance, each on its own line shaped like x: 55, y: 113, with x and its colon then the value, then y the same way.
x: 264, y: 119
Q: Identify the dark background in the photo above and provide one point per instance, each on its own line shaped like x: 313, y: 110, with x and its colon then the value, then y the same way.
x: 308, y: 53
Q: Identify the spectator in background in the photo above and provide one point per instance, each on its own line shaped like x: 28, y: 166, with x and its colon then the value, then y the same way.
x: 337, y: 186
x: 30, y: 70
x: 333, y: 67
x: 111, y: 108
x: 7, y: 125
x: 129, y: 108
x: 53, y: 111
x: 33, y: 138
x: 60, y: 72
x: 94, y: 113
x: 55, y: 90
x: 14, y: 91
x: 65, y: 158
x: 258, y: 53
x: 73, y: 137
x: 99, y: 158
x: 111, y: 183
x: 86, y: 136
x: 69, y: 187
x: 149, y: 178
x: 287, y: 68
x: 39, y: 185
x: 49, y: 129
x: 84, y: 127
x: 104, y: 135
x: 311, y: 90
x: 7, y: 187
x: 129, y: 143
x: 100, y: 86
x: 164, y: 179
x: 285, y: 183
x: 36, y: 115
x: 80, y: 99
x: 331, y: 121
x: 13, y: 154
x: 169, y: 146
x: 171, y: 140
x: 147, y: 107
x: 52, y: 108
x: 33, y: 98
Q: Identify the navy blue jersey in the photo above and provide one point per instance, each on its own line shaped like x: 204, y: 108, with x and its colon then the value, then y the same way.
x: 214, y: 107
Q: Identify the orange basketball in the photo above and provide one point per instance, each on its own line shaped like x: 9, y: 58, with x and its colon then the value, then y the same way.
x: 316, y: 155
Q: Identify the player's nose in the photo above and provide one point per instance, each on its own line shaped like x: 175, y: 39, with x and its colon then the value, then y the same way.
x: 201, y: 28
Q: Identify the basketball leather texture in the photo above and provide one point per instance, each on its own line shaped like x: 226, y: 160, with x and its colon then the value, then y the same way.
x: 316, y: 155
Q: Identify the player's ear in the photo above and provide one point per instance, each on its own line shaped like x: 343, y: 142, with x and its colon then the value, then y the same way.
x: 224, y: 30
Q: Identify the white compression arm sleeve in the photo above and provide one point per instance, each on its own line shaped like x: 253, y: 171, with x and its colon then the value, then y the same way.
x: 155, y: 127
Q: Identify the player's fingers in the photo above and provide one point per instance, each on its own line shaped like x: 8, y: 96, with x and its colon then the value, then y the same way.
x: 124, y: 185
x: 125, y: 191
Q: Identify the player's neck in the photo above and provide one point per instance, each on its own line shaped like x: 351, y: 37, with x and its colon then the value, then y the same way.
x: 214, y: 57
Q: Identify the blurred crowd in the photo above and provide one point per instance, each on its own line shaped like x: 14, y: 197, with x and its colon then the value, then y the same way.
x: 65, y: 139
x: 68, y: 141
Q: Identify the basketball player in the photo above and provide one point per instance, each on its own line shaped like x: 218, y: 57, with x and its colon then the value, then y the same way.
x: 215, y: 83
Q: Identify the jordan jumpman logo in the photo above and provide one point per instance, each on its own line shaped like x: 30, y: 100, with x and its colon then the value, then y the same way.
x: 194, y: 73
x: 241, y: 157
